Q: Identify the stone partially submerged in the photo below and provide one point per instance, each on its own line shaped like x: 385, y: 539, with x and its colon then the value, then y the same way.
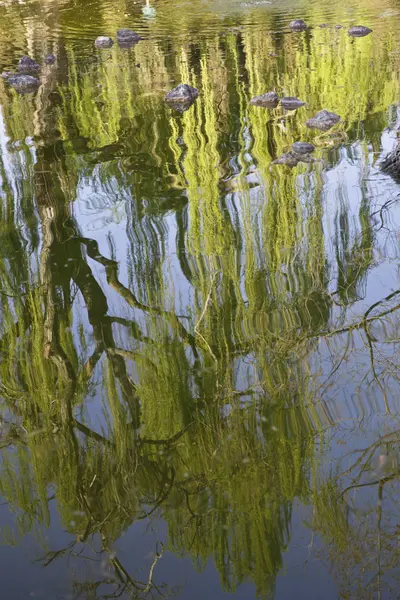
x: 291, y: 159
x: 323, y: 120
x: 303, y: 148
x: 291, y: 103
x: 298, y: 25
x: 50, y: 59
x: 103, y: 41
x: 126, y: 38
x: 391, y: 164
x: 26, y: 64
x: 268, y: 100
x: 359, y: 31
x: 24, y: 84
x: 182, y: 97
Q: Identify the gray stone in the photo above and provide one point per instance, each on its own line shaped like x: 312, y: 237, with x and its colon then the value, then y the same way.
x: 183, y: 93
x: 269, y: 100
x: 323, y: 120
x: 24, y: 83
x: 298, y: 25
x: 359, y: 31
x: 292, y: 159
x: 28, y: 65
x: 50, y: 59
x: 7, y: 74
x: 291, y: 103
x: 103, y: 42
x: 303, y: 148
x: 127, y: 37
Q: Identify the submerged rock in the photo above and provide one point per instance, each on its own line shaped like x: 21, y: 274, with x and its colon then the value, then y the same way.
x: 24, y: 83
x: 182, y: 93
x: 28, y: 65
x: 292, y: 159
x: 50, y: 59
x: 298, y: 25
x: 303, y: 148
x: 126, y: 38
x: 323, y: 120
x: 269, y: 100
x: 391, y: 164
x: 291, y: 103
x: 103, y: 42
x: 359, y: 31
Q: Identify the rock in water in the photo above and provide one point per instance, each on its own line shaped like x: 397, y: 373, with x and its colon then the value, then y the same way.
x: 50, y: 59
x: 28, y: 65
x: 24, y: 83
x: 359, y: 31
x: 269, y: 100
x: 291, y: 103
x: 323, y: 120
x: 391, y: 164
x: 103, y: 42
x: 291, y: 159
x: 303, y: 148
x: 182, y: 93
x: 298, y: 25
x: 126, y: 38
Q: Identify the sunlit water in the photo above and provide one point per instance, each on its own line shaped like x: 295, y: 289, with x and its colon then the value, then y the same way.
x: 200, y: 349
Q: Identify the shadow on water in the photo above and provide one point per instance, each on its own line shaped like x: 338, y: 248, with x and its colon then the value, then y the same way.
x: 199, y: 349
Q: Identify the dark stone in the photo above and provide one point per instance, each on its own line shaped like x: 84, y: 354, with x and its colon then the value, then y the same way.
x: 126, y: 38
x: 24, y: 83
x: 359, y: 31
x: 50, y: 59
x: 103, y: 42
x: 291, y: 103
x: 303, y: 148
x: 28, y: 65
x: 391, y: 164
x: 298, y: 25
x: 323, y: 120
x: 182, y: 94
x: 292, y: 159
x: 268, y: 100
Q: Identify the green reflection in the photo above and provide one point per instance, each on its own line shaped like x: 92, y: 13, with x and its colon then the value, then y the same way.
x: 187, y: 380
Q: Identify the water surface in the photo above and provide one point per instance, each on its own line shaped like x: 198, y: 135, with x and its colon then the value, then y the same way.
x: 199, y: 370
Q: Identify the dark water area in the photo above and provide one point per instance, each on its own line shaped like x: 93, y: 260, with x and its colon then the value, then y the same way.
x: 199, y: 348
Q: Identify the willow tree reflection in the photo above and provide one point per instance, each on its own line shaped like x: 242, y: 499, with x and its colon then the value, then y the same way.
x: 206, y: 415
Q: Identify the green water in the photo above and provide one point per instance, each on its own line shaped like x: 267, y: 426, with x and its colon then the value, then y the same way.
x: 200, y: 350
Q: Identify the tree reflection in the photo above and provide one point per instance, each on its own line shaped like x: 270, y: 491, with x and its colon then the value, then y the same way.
x: 124, y: 400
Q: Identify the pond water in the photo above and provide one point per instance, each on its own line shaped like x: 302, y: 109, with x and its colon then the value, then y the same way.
x: 200, y: 349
